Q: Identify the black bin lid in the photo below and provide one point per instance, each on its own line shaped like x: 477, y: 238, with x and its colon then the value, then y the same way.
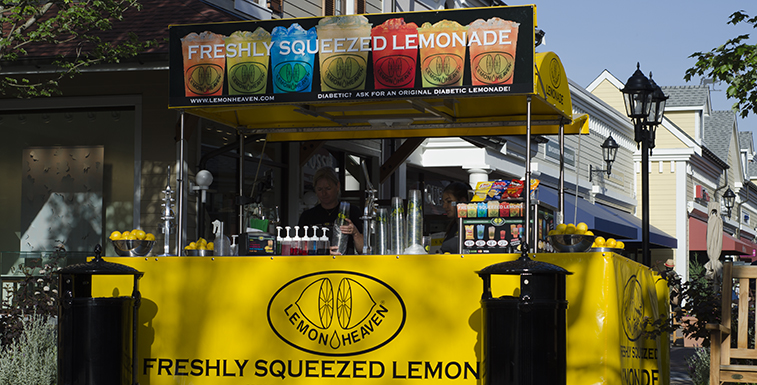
x: 523, y: 265
x: 99, y: 266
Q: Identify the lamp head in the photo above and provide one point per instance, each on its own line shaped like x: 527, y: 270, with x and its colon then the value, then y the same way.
x: 637, y: 95
x: 204, y: 178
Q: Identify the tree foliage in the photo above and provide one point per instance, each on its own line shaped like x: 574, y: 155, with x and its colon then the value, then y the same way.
x: 734, y: 63
x: 77, y: 24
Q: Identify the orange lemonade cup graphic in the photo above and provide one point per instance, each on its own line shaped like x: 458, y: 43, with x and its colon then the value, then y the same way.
x: 492, y: 51
x: 247, y: 61
x: 204, y: 63
x: 442, y: 47
x: 344, y: 42
x: 395, y: 54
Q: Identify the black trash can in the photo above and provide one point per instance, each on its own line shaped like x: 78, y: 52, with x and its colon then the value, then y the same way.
x: 97, y: 337
x: 523, y: 336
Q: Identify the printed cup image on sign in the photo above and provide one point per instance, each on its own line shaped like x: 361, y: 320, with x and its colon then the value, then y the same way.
x: 492, y: 51
x: 442, y: 47
x: 343, y: 52
x: 336, y: 313
x: 293, y: 58
x: 247, y: 58
x: 204, y: 63
x: 395, y: 54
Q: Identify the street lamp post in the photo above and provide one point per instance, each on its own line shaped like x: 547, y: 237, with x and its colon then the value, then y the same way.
x: 729, y: 198
x: 645, y: 105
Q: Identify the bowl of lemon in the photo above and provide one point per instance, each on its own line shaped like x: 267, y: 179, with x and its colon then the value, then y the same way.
x: 133, y: 243
x: 610, y: 244
x: 199, y: 248
x: 571, y: 238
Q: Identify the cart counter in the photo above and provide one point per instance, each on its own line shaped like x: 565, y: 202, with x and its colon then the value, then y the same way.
x: 376, y: 319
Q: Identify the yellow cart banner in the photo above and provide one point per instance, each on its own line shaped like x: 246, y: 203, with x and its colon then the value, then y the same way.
x: 375, y: 319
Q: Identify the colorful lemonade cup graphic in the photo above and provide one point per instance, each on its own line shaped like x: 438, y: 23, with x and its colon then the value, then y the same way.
x: 247, y: 58
x: 343, y: 52
x: 293, y: 58
x: 442, y: 47
x: 395, y: 54
x: 204, y: 63
x: 492, y: 51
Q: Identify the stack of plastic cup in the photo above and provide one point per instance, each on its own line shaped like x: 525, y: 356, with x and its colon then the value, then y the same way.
x: 382, y: 231
x: 397, y: 226
x: 415, y: 223
x: 341, y: 239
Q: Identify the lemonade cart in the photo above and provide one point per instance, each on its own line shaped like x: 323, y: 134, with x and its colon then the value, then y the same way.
x: 376, y: 318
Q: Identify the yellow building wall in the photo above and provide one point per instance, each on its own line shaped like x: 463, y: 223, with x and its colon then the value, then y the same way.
x: 685, y: 120
x: 610, y: 95
x: 662, y: 197
x: 665, y: 139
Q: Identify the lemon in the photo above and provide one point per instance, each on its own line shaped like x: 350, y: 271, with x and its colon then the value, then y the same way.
x: 149, y: 237
x: 191, y: 246
x: 210, y: 246
x: 124, y: 235
x: 131, y: 237
x: 599, y: 241
x: 139, y: 233
x: 561, y: 228
x: 580, y: 232
x: 611, y: 242
x: 552, y: 232
x: 582, y: 226
x: 620, y: 245
x: 570, y: 229
x: 589, y: 232
x: 115, y: 235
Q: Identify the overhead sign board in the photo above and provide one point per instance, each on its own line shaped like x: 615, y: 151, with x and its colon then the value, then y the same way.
x: 471, y: 52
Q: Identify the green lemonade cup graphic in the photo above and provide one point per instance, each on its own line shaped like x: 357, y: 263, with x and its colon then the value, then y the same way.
x: 293, y: 58
x: 343, y: 52
x: 442, y: 47
x: 492, y: 51
x: 247, y: 61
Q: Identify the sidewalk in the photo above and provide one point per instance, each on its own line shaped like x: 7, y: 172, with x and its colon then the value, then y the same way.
x: 679, y: 373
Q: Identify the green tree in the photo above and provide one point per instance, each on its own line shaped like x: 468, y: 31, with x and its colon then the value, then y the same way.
x: 77, y: 24
x: 734, y: 63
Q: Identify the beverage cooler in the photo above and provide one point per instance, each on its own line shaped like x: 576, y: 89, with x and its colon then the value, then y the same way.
x: 498, y: 226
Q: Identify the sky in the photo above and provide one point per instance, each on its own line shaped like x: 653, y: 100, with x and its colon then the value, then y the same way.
x: 590, y: 36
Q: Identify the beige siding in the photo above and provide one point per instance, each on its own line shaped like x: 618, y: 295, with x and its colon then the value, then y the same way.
x: 662, y: 198
x: 665, y: 139
x: 610, y: 95
x: 302, y: 8
x: 685, y: 120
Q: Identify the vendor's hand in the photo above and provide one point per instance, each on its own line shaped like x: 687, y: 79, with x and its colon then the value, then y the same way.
x: 349, y: 228
x: 334, y: 250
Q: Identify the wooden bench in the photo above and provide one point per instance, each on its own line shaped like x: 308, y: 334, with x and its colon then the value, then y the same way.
x: 721, y: 352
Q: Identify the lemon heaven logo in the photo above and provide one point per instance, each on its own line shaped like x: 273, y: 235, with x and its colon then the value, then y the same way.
x: 493, y: 67
x: 633, y: 309
x: 205, y: 79
x: 344, y: 72
x: 336, y: 313
x: 395, y: 71
x: 443, y: 69
x: 248, y: 78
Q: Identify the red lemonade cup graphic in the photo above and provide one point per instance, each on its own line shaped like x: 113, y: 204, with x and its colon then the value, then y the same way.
x: 442, y: 47
x: 492, y: 51
x: 204, y: 57
x: 395, y: 54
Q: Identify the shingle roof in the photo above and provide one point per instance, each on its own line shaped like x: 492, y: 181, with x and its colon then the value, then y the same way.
x: 686, y: 96
x: 745, y: 140
x: 718, y: 132
x: 150, y: 23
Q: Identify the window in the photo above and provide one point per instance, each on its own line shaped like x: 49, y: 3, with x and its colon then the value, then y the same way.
x: 343, y: 7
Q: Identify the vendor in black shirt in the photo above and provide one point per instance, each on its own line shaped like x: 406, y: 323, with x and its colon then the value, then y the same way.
x: 328, y: 188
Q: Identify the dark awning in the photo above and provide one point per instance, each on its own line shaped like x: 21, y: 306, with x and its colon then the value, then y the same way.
x: 657, y: 237
x: 599, y: 220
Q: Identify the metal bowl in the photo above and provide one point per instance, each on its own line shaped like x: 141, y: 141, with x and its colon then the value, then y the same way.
x: 571, y: 243
x: 198, y: 253
x: 608, y: 249
x: 132, y: 248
